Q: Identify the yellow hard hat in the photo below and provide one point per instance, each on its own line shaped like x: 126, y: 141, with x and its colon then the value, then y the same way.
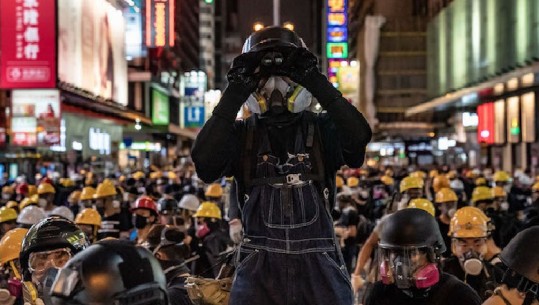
x: 469, y: 222
x: 439, y: 182
x: 67, y: 182
x: 87, y: 193
x: 482, y: 193
x: 214, y: 190
x: 387, y: 180
x: 74, y: 197
x: 88, y: 216
x: 480, y: 181
x: 7, y: 214
x: 498, y: 191
x: 411, y: 182
x: 535, y: 187
x: 10, y: 245
x: 339, y: 181
x: 8, y: 190
x: 352, y: 181
x: 446, y: 195
x: 389, y: 172
x: 209, y: 210
x: 28, y: 201
x: 501, y: 176
x: 452, y: 174
x: 32, y: 190
x: 156, y: 175
x: 12, y: 204
x: 433, y: 173
x: 45, y: 188
x: 138, y: 175
x: 172, y: 175
x: 418, y: 174
x: 423, y: 204
x: 105, y: 189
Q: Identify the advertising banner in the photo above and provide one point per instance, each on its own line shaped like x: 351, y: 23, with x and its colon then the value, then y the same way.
x: 27, y: 44
x: 160, y: 108
x: 91, y: 48
x: 134, y: 47
x: 159, y: 23
x: 36, y: 117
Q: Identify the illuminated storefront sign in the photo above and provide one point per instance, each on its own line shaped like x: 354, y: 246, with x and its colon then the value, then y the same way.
x: 144, y: 146
x: 159, y: 23
x: 529, y: 117
x: 485, y: 126
x: 160, y: 108
x: 337, y: 32
x: 28, y: 48
x: 99, y: 140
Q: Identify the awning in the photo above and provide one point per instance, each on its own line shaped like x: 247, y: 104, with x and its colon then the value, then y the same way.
x: 455, y: 96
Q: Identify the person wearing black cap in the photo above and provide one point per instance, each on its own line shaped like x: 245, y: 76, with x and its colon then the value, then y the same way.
x: 520, y: 282
x: 284, y: 157
x: 409, y: 262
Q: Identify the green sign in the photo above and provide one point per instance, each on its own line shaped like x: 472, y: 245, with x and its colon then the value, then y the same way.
x: 160, y: 108
x: 337, y: 49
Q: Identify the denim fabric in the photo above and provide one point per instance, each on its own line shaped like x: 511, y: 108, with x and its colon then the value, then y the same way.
x: 289, y: 255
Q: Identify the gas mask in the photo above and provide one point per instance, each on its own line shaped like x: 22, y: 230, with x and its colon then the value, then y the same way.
x: 471, y: 263
x: 409, y: 267
x: 279, y: 95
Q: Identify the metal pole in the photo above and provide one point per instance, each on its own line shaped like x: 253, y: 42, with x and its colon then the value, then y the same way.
x: 276, y: 10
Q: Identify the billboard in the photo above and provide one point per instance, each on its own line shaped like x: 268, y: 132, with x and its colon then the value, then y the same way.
x: 134, y: 46
x: 36, y: 117
x: 27, y: 44
x: 91, y: 48
x: 159, y: 23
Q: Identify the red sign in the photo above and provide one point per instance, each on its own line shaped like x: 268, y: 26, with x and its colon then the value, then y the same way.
x: 485, y: 126
x: 27, y: 44
x: 159, y: 23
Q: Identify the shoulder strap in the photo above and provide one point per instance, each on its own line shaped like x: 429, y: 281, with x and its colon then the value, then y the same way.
x: 247, y: 152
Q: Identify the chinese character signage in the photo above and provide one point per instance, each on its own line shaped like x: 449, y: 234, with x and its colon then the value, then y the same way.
x: 27, y: 44
x: 91, y: 48
x: 337, y: 31
x: 159, y: 23
x: 36, y: 117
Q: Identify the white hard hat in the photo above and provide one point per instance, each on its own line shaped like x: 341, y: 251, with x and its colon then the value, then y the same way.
x: 63, y: 211
x: 31, y: 215
x: 189, y: 202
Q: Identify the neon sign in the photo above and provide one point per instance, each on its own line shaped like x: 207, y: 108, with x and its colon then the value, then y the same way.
x: 159, y: 23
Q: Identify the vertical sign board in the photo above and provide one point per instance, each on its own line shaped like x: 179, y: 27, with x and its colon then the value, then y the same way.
x: 513, y: 119
x: 160, y: 108
x: 27, y: 44
x: 159, y: 23
x: 194, y: 116
x: 336, y: 37
x: 485, y: 126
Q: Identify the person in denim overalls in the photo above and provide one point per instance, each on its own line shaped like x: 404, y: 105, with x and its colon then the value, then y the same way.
x: 284, y: 159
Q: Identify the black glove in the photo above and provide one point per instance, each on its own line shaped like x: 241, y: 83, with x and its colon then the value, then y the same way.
x: 302, y: 67
x: 243, y: 79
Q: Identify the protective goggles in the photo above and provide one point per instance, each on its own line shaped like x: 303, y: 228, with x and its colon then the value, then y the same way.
x: 40, y: 261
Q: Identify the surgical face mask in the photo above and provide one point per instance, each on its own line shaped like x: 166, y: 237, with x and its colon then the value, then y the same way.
x: 504, y: 206
x: 140, y: 221
x: 451, y: 212
x: 116, y: 204
x: 42, y: 202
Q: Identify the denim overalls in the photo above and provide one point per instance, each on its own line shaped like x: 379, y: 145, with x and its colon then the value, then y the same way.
x: 289, y: 254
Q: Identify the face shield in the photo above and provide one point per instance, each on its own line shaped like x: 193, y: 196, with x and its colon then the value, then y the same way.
x: 409, y: 267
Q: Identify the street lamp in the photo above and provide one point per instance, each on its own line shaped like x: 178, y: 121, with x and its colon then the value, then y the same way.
x: 257, y: 26
x: 289, y: 25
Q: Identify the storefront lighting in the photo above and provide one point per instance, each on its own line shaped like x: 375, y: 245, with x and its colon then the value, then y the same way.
x: 76, y: 145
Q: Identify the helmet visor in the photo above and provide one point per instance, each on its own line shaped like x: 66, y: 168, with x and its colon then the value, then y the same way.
x: 400, y: 265
x: 40, y: 261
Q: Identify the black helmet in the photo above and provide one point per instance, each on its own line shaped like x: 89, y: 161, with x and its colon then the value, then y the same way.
x: 111, y: 272
x: 272, y: 37
x: 521, y: 255
x: 51, y: 233
x: 167, y: 206
x: 411, y: 228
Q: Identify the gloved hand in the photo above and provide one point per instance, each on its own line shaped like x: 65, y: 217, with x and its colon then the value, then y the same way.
x: 243, y: 79
x: 357, y: 282
x: 203, y: 291
x: 302, y: 67
x: 236, y: 233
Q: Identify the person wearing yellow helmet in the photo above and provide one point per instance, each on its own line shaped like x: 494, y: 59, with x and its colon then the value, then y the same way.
x: 423, y: 204
x: 213, y: 239
x: 410, y: 187
x: 115, y: 223
x: 214, y: 193
x: 500, y: 198
x: 8, y: 220
x: 11, y: 285
x: 73, y: 201
x: 502, y: 179
x: 446, y: 201
x: 482, y: 197
x: 28, y: 201
x: 481, y: 181
x: 89, y: 221
x: 46, y: 193
x: 13, y: 205
x: 469, y: 231
x: 87, y: 197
